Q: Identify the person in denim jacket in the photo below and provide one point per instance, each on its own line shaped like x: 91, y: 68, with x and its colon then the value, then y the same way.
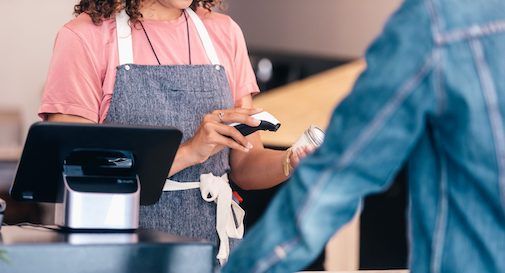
x: 433, y: 95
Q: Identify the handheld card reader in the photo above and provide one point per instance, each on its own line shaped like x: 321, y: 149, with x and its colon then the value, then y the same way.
x: 268, y: 123
x: 101, y: 190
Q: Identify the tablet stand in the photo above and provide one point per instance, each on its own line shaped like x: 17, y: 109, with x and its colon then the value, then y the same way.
x: 100, y: 191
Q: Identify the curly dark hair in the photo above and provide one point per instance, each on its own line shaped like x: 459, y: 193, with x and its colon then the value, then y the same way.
x: 100, y: 10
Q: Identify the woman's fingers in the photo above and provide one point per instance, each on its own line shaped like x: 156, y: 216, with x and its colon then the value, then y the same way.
x: 234, y: 135
x: 294, y: 160
x: 230, y: 143
x: 214, y: 134
x: 232, y: 117
x: 215, y: 131
x: 299, y: 154
x: 237, y: 115
x: 303, y: 152
x: 246, y: 111
x: 220, y: 134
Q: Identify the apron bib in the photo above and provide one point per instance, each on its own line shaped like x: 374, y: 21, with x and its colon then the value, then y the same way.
x: 178, y: 96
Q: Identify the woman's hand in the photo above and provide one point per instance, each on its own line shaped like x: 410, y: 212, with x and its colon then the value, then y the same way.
x: 214, y: 134
x: 299, y: 154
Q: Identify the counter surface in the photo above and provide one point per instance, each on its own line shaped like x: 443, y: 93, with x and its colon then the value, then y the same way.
x: 30, y: 249
x: 306, y: 102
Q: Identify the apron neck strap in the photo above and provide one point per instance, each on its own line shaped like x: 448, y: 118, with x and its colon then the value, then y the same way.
x: 125, y: 42
x: 124, y: 38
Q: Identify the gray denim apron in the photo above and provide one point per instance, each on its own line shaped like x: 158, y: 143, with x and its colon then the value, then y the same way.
x: 179, y: 96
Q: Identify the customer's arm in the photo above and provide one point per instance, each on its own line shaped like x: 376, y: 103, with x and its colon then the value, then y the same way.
x: 370, y: 135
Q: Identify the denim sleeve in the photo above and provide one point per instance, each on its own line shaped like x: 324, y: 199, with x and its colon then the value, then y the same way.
x: 369, y: 137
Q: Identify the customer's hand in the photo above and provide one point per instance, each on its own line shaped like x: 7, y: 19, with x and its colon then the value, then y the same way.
x: 214, y: 134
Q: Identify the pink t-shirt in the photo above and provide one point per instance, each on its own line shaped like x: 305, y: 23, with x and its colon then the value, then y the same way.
x: 85, y: 56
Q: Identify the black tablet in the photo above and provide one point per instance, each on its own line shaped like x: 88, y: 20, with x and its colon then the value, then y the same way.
x: 39, y: 174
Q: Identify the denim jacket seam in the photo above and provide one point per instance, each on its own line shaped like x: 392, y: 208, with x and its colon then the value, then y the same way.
x: 440, y: 92
x: 441, y: 221
x: 442, y: 37
x: 274, y: 257
x: 493, y: 112
x: 436, y: 21
x: 471, y: 32
x: 313, y: 194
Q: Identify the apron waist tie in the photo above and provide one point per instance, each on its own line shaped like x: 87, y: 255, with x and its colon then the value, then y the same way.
x: 217, y: 189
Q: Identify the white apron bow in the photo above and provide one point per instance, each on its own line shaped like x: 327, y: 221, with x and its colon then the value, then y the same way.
x: 217, y: 189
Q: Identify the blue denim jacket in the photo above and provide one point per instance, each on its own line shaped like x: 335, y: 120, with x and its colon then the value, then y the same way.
x: 433, y: 95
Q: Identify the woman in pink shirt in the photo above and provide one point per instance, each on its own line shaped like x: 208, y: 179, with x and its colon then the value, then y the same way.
x: 169, y: 63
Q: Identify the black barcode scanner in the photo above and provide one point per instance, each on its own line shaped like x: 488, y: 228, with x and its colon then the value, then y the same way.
x: 268, y: 123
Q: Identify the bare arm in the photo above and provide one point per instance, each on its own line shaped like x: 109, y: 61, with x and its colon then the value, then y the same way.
x: 67, y: 118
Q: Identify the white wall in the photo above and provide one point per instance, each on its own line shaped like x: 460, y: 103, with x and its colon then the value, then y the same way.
x: 27, y: 30
x: 337, y: 28
x: 322, y: 27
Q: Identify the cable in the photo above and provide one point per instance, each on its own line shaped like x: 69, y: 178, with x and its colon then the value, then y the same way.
x: 187, y: 31
x: 149, y: 40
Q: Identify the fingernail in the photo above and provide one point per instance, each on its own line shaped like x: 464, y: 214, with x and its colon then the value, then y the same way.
x: 246, y: 150
x: 249, y: 145
x: 257, y: 122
